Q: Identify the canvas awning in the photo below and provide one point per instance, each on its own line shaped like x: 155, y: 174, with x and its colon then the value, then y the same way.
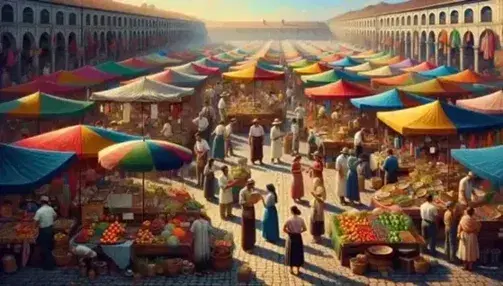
x: 144, y: 90
x: 398, y: 80
x: 386, y: 61
x: 484, y: 162
x: 196, y: 69
x: 389, y: 100
x: 212, y: 64
x: 173, y: 77
x: 254, y: 74
x: 340, y: 89
x: 466, y: 76
x: 439, y: 71
x: 311, y: 69
x: 424, y: 66
x: 120, y: 70
x: 435, y: 87
x: 156, y: 59
x: 360, y: 68
x: 42, y: 86
x: 23, y: 170
x: 345, y: 63
x: 299, y: 64
x: 41, y: 105
x: 138, y: 63
x: 407, y: 63
x: 329, y: 77
x: 378, y: 72
x: 488, y: 104
x: 437, y: 118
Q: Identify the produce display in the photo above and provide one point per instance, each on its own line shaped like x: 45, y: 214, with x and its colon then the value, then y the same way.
x: 373, y: 227
x: 256, y: 104
x: 26, y: 230
x: 144, y: 236
x: 113, y: 233
x: 405, y: 160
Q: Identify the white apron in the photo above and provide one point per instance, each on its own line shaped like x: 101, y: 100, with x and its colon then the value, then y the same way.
x: 340, y: 183
x: 276, y: 145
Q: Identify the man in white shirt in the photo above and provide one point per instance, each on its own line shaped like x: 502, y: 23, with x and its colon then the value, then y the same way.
x: 289, y: 96
x: 203, y: 126
x: 256, y: 141
x: 222, y: 107
x: 225, y: 198
x: 358, y: 142
x: 228, y: 137
x: 466, y: 190
x: 294, y: 128
x: 167, y: 130
x: 45, y: 217
x: 201, y: 149
x: 341, y: 167
x: 429, y: 217
x: 300, y: 113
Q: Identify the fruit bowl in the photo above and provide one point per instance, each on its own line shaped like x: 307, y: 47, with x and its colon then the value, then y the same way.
x: 380, y: 250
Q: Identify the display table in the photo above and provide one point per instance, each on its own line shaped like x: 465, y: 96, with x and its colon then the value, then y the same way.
x: 183, y: 250
x: 244, y: 120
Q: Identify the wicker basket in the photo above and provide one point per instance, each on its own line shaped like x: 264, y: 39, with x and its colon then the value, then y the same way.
x: 358, y: 267
x: 221, y: 264
x: 62, y: 258
x: 421, y: 265
x: 376, y: 183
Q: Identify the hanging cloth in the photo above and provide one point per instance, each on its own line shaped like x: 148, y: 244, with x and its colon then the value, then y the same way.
x: 490, y: 140
x: 472, y: 143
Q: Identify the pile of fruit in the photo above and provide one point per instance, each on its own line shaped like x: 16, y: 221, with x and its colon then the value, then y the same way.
x: 113, y: 233
x: 157, y: 226
x: 25, y: 230
x: 238, y: 172
x: 84, y: 235
x: 193, y: 205
x: 395, y: 221
x: 355, y: 228
x: 144, y: 236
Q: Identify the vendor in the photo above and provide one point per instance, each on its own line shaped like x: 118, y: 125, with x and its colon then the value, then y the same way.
x: 359, y: 139
x: 84, y: 254
x: 201, y: 229
x: 248, y: 217
x: 45, y: 217
x: 390, y: 167
x: 201, y: 149
x: 203, y: 126
x: 256, y: 141
x: 222, y: 107
x: 429, y: 213
x: 225, y: 198
x: 228, y: 138
x: 466, y: 190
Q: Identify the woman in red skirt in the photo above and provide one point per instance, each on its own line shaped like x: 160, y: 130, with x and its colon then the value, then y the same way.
x: 297, y: 189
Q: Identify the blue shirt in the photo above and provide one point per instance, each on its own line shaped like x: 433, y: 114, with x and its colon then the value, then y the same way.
x: 390, y: 164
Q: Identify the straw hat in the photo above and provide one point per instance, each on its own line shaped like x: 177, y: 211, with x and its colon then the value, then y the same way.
x: 345, y: 150
x: 276, y: 121
x: 250, y: 182
x: 255, y: 120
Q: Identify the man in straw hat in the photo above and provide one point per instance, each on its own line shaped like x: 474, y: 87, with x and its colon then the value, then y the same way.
x: 228, y: 137
x: 466, y: 190
x: 341, y: 166
x: 276, y: 137
x: 256, y: 141
x: 248, y: 216
x: 45, y: 217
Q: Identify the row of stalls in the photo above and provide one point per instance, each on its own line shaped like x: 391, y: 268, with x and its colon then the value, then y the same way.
x: 102, y: 178
x: 425, y: 114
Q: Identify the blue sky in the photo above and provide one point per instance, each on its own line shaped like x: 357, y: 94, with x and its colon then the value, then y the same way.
x: 256, y: 10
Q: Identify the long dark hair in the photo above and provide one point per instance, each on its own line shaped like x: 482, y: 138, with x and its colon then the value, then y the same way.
x: 272, y: 189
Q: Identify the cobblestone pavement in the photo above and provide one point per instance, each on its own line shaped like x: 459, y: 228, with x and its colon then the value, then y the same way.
x: 321, y: 267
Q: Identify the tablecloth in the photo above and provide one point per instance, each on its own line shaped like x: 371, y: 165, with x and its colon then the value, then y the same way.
x: 119, y: 253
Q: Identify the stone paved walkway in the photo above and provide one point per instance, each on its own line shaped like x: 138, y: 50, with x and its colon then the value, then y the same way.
x: 321, y: 267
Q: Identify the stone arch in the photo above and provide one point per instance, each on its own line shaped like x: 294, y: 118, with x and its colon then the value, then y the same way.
x: 102, y: 43
x: 468, y: 16
x: 73, y: 57
x: 28, y: 16
x: 423, y: 20
x: 415, y: 45
x: 455, y: 44
x: 454, y: 17
x: 28, y: 49
x: 442, y: 18
x: 486, y: 14
x: 7, y: 14
x: 45, y: 49
x: 409, y: 20
x: 443, y: 44
x: 423, y: 45
x: 415, y: 20
x: 468, y: 44
x: 431, y: 47
x: 408, y: 44
x: 60, y: 51
x: 110, y: 44
x: 121, y: 44
x: 486, y: 57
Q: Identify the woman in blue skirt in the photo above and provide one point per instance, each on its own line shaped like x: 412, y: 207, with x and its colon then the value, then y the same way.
x: 218, y: 147
x: 352, y: 192
x: 270, y: 223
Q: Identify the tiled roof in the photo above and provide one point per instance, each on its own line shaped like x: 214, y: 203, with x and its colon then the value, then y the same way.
x: 113, y: 6
x: 266, y: 25
x: 387, y: 8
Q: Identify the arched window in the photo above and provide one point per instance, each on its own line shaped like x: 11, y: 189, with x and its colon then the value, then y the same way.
x: 454, y: 17
x: 88, y: 20
x: 95, y: 20
x: 72, y: 19
x: 60, y: 18
x: 102, y: 21
x: 109, y: 21
x: 408, y: 21
x: 28, y: 15
x: 486, y: 15
x: 381, y: 22
x: 387, y: 22
x: 423, y: 19
x: 431, y: 20
x: 393, y: 22
x: 45, y: 17
x: 114, y: 21
x: 403, y: 21
x: 7, y: 14
x: 441, y: 18
x: 416, y: 20
x: 468, y: 16
x: 120, y: 22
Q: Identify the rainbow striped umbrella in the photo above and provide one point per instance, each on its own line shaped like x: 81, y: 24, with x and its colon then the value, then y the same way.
x: 144, y: 156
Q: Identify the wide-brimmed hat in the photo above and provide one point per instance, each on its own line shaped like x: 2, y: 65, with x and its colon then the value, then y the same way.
x: 345, y: 150
x: 250, y: 182
x: 233, y: 119
x: 276, y: 121
x: 255, y: 120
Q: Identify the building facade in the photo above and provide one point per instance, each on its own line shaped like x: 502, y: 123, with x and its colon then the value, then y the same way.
x: 265, y: 30
x: 66, y: 34
x: 460, y: 33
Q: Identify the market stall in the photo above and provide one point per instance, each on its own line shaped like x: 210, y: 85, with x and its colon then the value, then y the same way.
x: 356, y: 232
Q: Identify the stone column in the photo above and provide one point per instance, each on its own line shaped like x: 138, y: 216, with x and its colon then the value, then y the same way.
x: 476, y: 59
x: 18, y: 67
x: 461, y: 58
x: 448, y: 55
x: 436, y: 45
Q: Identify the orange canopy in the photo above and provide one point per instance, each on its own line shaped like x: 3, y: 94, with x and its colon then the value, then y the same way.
x: 399, y: 80
x: 466, y: 76
x: 340, y: 89
x: 424, y: 66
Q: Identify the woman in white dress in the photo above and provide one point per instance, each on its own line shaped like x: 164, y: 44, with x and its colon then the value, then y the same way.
x: 201, y: 229
x: 276, y: 141
x: 341, y: 166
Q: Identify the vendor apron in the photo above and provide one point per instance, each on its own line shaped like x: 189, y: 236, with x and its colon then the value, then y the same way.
x: 248, y: 228
x: 256, y: 149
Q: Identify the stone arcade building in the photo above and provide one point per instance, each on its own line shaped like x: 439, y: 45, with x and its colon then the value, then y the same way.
x: 66, y: 34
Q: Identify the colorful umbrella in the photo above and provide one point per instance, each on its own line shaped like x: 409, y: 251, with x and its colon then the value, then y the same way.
x: 41, y: 105
x: 144, y: 156
x: 84, y: 140
x: 253, y: 73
